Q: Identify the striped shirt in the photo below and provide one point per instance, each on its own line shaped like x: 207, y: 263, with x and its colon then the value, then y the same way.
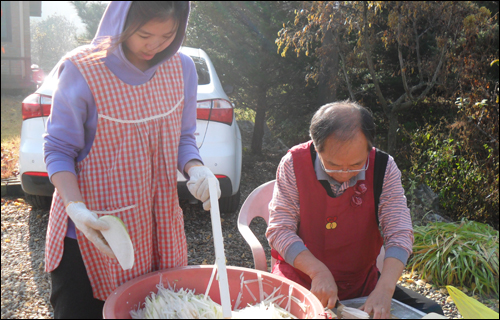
x: 284, y: 211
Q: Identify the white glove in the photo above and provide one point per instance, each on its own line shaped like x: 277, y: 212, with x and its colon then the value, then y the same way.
x: 198, y: 184
x: 86, y: 221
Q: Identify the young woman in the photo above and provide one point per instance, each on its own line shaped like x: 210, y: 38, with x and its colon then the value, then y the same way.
x: 122, y: 123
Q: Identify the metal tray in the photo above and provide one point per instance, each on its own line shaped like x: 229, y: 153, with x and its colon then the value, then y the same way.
x: 398, y: 309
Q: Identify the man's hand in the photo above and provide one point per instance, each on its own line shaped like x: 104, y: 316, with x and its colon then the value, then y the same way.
x: 378, y: 303
x: 323, y: 286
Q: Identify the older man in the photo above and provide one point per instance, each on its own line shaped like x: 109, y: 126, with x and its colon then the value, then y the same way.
x: 331, y: 196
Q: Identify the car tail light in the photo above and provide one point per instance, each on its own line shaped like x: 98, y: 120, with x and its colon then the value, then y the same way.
x: 220, y: 176
x: 37, y: 174
x: 36, y: 105
x: 215, y: 110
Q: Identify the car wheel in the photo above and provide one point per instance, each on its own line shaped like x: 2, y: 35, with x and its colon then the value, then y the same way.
x: 229, y: 204
x: 38, y: 202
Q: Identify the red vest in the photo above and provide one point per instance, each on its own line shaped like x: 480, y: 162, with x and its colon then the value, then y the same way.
x: 341, y: 232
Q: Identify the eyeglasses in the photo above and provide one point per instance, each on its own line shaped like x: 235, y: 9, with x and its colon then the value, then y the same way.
x: 345, y: 171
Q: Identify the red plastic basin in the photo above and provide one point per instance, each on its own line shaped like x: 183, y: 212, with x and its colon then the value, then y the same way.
x: 132, y: 294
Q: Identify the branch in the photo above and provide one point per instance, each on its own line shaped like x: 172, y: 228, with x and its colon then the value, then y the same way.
x: 345, y: 75
x: 441, y: 59
x: 398, y: 105
x: 370, y: 65
x: 417, y: 42
x: 400, y: 56
x: 492, y: 139
x: 436, y: 72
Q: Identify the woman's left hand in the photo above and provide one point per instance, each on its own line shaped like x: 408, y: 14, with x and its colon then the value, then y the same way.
x: 378, y: 303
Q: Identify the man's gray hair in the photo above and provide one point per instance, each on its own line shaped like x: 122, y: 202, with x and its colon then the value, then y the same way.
x: 342, y: 120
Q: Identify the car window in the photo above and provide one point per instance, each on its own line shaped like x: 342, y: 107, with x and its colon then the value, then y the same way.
x: 202, y: 70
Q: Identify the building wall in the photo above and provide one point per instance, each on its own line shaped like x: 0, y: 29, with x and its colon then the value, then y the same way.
x: 16, y: 70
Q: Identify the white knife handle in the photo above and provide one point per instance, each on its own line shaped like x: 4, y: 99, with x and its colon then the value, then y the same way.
x: 220, y: 258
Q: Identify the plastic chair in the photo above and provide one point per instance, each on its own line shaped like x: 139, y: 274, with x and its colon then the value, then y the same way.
x: 256, y: 205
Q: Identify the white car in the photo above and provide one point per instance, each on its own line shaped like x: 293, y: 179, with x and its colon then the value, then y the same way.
x: 217, y: 135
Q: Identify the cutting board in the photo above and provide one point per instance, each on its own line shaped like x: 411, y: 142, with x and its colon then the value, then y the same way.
x: 398, y: 309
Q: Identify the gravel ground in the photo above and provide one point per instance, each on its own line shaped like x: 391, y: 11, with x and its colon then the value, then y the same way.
x: 26, y: 287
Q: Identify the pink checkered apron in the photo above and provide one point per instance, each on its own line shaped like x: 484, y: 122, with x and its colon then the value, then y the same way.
x: 130, y: 172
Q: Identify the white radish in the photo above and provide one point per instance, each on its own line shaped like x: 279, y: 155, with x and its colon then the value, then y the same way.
x: 119, y: 241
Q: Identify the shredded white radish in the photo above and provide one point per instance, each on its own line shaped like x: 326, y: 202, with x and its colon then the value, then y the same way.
x: 263, y: 311
x: 261, y: 291
x: 299, y: 303
x: 266, y: 309
x: 185, y: 304
x: 288, y: 305
x: 251, y: 281
x: 250, y: 291
x: 210, y: 282
x: 238, y: 300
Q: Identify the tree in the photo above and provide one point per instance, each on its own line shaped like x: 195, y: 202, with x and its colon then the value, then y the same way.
x: 90, y: 12
x: 51, y: 39
x: 396, y: 51
x: 239, y: 37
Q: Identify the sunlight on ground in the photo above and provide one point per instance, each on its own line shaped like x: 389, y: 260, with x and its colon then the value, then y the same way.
x: 244, y: 114
x: 10, y: 157
x: 11, y: 134
x: 11, y: 117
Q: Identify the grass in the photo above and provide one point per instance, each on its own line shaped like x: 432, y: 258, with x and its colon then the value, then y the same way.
x: 463, y: 254
x: 11, y: 134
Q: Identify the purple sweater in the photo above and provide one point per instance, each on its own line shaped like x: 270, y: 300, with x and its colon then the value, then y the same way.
x: 72, y: 124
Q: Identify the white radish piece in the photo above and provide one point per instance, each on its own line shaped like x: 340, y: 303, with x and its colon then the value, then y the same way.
x: 119, y: 241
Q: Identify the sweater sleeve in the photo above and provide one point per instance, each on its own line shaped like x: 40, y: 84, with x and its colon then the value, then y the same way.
x: 65, y: 139
x: 284, y: 213
x: 187, y: 145
x: 394, y: 215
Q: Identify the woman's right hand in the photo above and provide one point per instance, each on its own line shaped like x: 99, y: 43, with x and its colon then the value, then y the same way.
x: 323, y: 286
x: 87, y: 222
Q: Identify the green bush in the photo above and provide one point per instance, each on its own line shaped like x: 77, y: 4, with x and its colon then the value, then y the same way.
x: 462, y: 171
x: 461, y: 254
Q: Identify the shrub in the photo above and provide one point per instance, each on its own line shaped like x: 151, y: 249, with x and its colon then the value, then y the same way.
x: 458, y: 167
x: 462, y: 254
